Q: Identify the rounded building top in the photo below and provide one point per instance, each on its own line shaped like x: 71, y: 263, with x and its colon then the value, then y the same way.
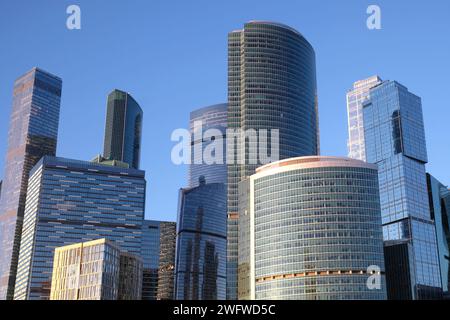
x: 312, y: 162
x: 281, y: 25
x: 221, y: 107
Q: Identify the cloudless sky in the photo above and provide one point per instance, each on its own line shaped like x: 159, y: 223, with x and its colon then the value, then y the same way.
x: 172, y: 57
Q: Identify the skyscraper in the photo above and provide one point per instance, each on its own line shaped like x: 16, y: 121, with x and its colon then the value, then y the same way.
x: 150, y: 258
x: 439, y: 196
x: 212, y: 118
x: 200, y: 266
x: 166, y: 270
x: 158, y: 255
x: 130, y: 276
x: 95, y: 270
x: 355, y: 98
x: 271, y: 85
x: 71, y: 201
x: 123, y: 129
x: 395, y: 141
x: 310, y: 229
x: 33, y: 133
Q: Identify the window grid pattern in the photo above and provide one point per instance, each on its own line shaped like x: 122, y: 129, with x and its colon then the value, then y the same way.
x: 314, y: 221
x: 395, y: 141
x: 271, y: 85
x: 71, y: 201
x: 33, y: 132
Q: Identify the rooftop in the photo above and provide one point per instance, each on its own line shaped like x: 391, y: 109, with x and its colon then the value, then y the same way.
x: 315, y: 162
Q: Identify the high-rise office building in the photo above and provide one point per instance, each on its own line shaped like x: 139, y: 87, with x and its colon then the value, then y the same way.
x: 95, y: 270
x: 355, y: 98
x: 150, y: 258
x: 166, y: 261
x: 395, y: 141
x: 213, y: 118
x: 310, y: 229
x: 439, y: 196
x: 33, y: 132
x: 200, y: 265
x: 71, y: 201
x: 158, y: 255
x: 130, y: 276
x: 271, y: 86
x: 123, y: 129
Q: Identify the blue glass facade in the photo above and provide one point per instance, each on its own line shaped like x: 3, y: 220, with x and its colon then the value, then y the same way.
x: 33, y: 133
x: 150, y: 257
x: 395, y: 141
x: 123, y: 129
x: 314, y: 231
x: 271, y: 85
x: 212, y: 118
x: 70, y: 201
x: 439, y: 196
x: 200, y: 267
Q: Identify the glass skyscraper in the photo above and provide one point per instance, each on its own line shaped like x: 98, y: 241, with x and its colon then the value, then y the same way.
x: 310, y: 229
x: 439, y: 196
x: 395, y: 141
x: 33, y: 132
x: 166, y: 270
x: 150, y: 257
x: 71, y: 201
x: 271, y: 85
x: 200, y: 266
x: 158, y: 255
x: 212, y: 118
x: 355, y: 98
x: 123, y: 129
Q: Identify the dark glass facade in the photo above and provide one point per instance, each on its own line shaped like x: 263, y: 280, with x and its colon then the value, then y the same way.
x: 398, y: 257
x: 166, y: 270
x: 158, y: 255
x: 212, y: 118
x: 439, y: 196
x: 150, y: 257
x: 200, y: 268
x: 123, y: 129
x: 33, y: 133
x: 314, y: 231
x: 71, y: 201
x: 271, y: 85
x: 395, y: 141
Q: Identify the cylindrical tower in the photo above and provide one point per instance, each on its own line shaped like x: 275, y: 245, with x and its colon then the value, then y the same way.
x: 315, y: 230
x: 271, y: 86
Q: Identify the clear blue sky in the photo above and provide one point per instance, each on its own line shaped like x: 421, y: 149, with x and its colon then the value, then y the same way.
x: 172, y: 57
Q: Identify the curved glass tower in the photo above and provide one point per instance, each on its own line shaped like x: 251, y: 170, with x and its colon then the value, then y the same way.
x: 200, y: 267
x: 211, y: 118
x: 314, y: 231
x: 271, y: 85
x: 123, y: 129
